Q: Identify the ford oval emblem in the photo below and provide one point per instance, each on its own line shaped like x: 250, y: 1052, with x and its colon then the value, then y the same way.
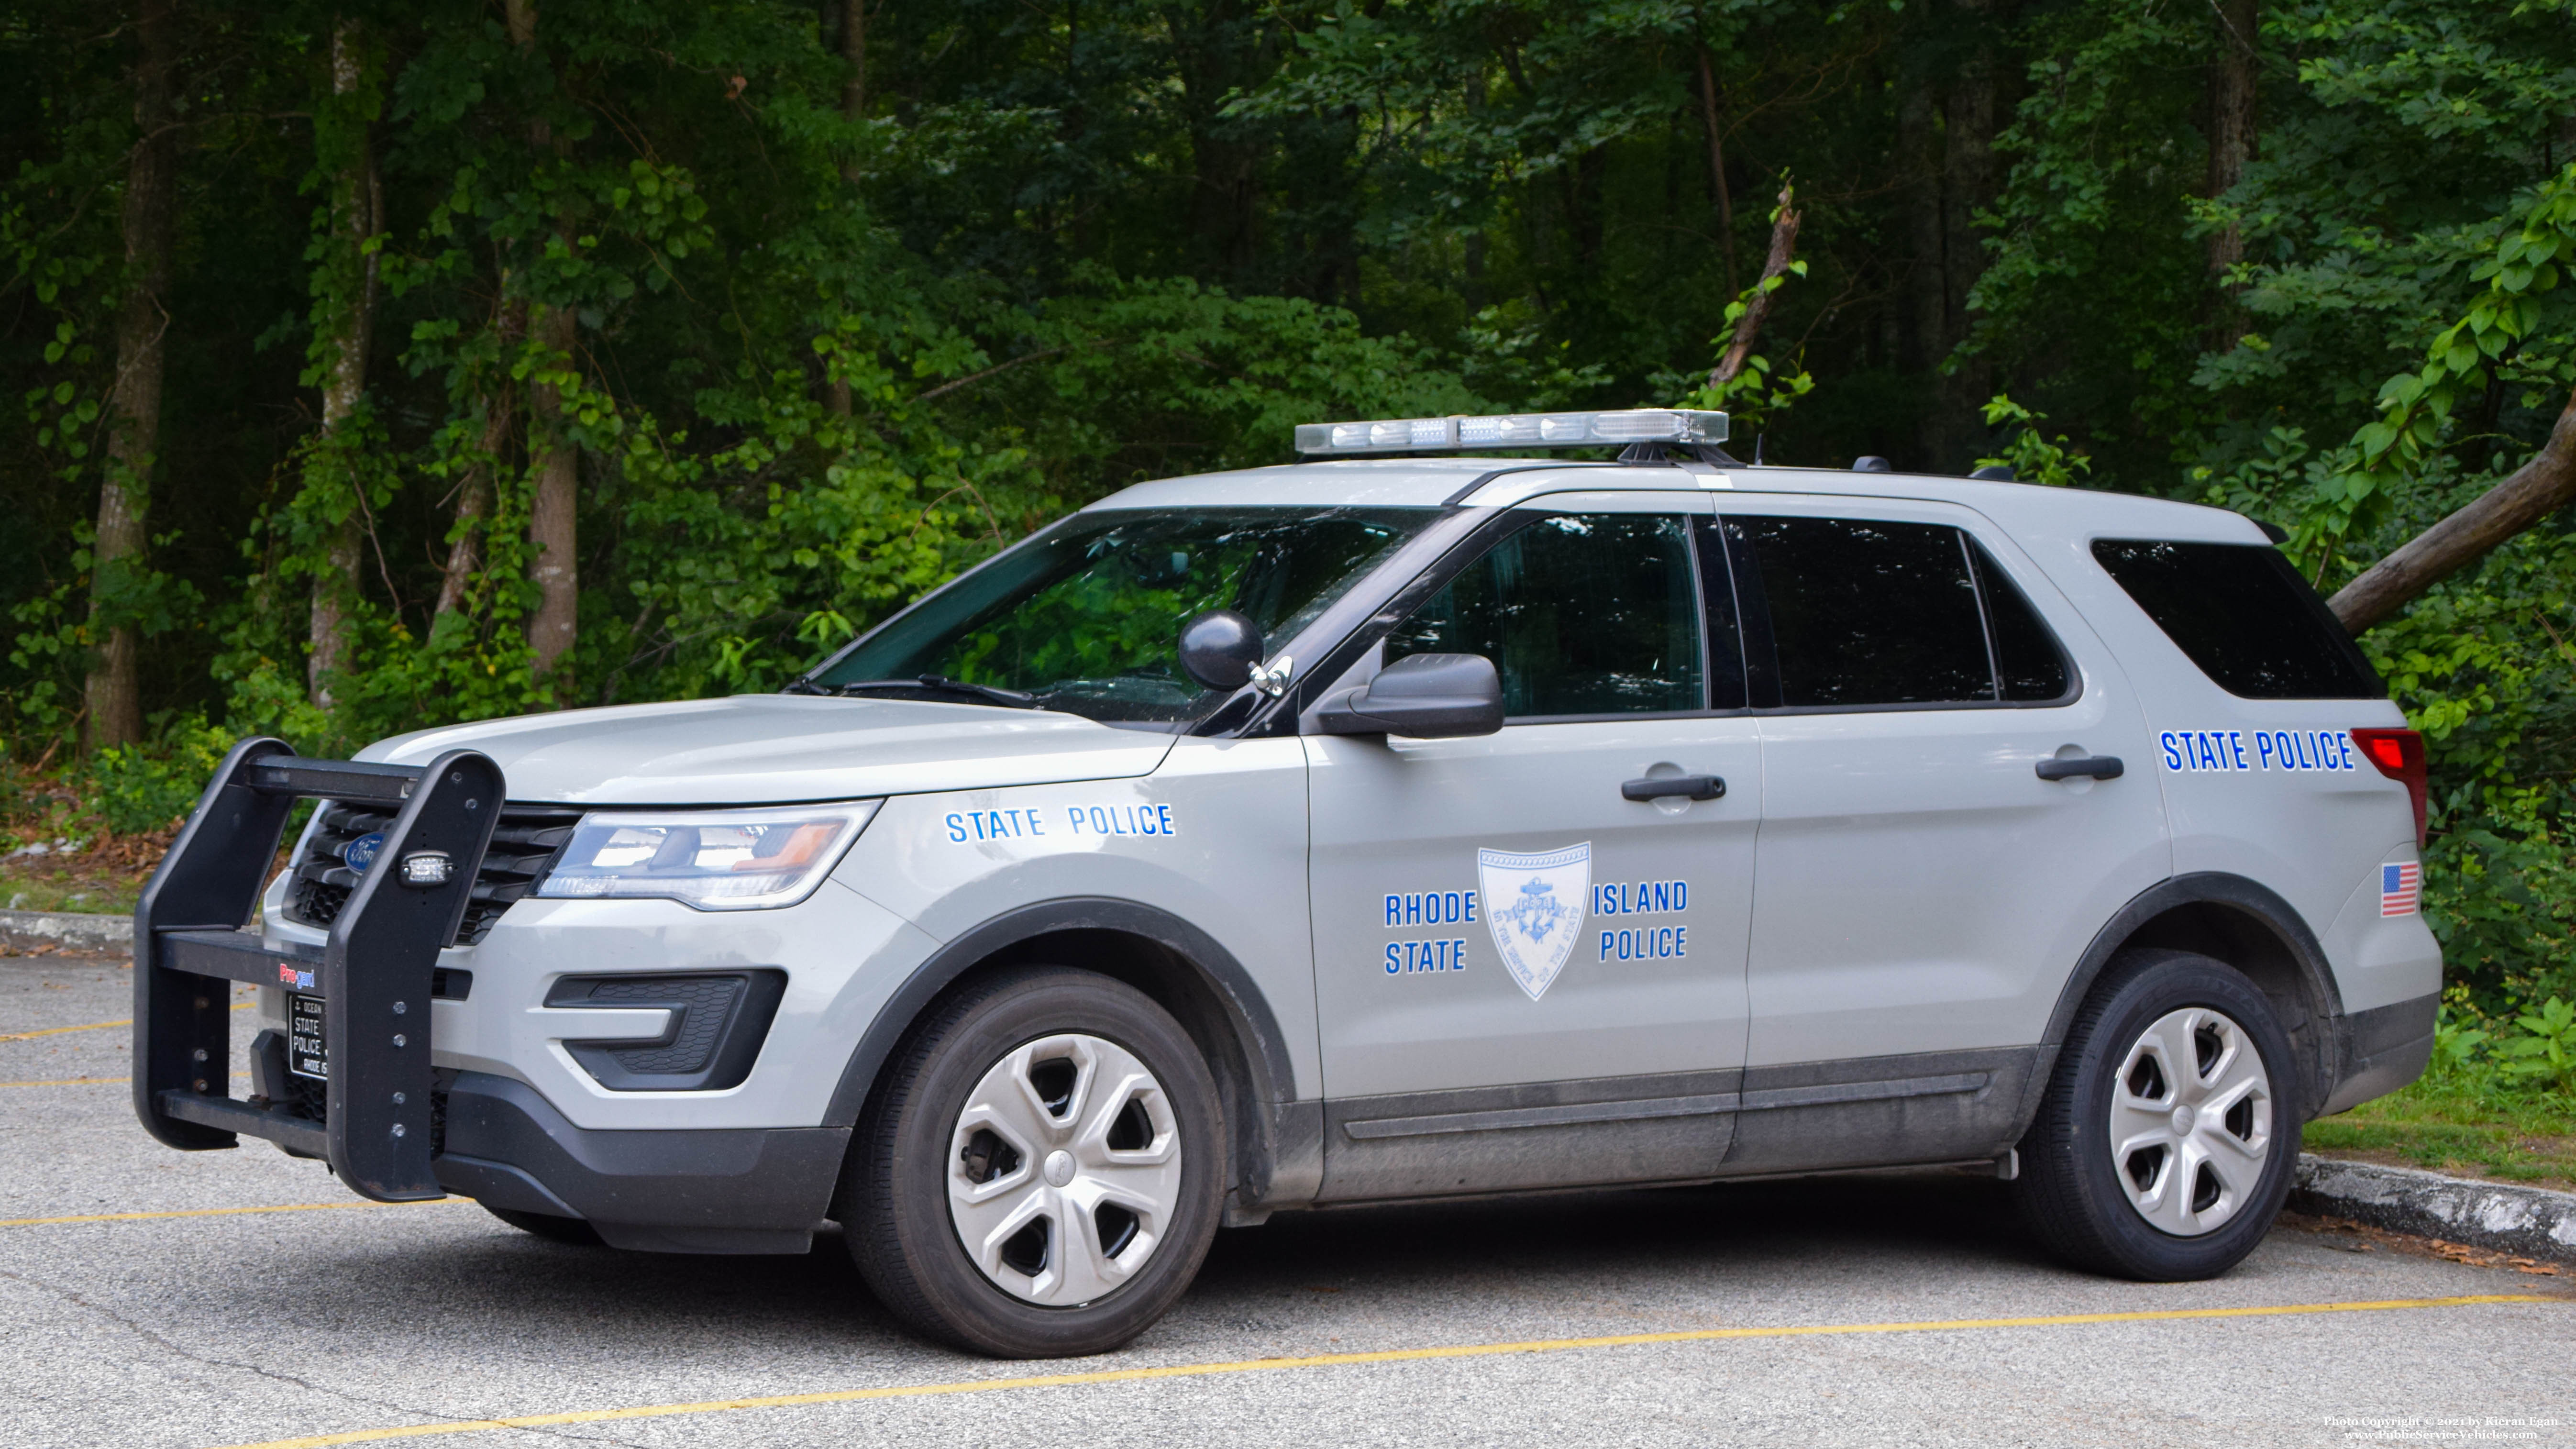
x: 361, y: 852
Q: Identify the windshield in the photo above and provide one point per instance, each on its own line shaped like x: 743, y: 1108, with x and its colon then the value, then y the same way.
x: 1087, y: 616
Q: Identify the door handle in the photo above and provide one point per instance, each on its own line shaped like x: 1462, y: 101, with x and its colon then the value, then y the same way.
x: 1687, y: 787
x: 2100, y: 767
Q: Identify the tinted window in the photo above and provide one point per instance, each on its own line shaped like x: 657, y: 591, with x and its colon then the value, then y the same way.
x: 1582, y: 613
x: 1866, y: 612
x: 2244, y: 616
x: 2028, y: 663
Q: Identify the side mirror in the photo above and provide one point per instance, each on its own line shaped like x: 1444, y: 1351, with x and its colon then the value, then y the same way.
x: 1220, y: 649
x: 1423, y: 697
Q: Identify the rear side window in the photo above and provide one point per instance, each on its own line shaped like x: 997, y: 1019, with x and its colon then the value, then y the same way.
x: 1865, y: 612
x: 2244, y: 616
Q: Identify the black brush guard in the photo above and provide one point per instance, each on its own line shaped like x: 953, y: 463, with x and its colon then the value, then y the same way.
x: 373, y: 976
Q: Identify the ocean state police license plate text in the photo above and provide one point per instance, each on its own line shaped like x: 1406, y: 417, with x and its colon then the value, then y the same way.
x: 307, y: 1054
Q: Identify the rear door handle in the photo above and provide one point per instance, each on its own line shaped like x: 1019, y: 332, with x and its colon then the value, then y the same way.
x: 1687, y: 787
x: 2100, y: 767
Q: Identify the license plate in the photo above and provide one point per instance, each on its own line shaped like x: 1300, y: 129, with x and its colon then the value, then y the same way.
x: 307, y: 1054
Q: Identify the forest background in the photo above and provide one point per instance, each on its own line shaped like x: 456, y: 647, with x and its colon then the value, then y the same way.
x: 365, y: 366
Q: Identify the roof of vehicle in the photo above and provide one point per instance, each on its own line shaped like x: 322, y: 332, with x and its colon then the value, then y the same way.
x: 1430, y: 482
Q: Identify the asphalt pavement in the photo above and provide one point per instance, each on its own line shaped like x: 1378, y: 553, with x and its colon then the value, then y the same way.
x: 153, y: 1297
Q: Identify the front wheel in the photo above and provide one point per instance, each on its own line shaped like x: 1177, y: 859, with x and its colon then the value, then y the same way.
x: 1039, y: 1174
x: 2164, y: 1147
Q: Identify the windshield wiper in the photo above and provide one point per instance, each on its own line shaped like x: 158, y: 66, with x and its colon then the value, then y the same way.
x: 942, y: 684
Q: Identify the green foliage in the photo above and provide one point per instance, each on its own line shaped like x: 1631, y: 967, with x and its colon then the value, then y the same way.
x: 1754, y: 398
x: 135, y: 788
x: 2543, y: 1052
x: 824, y: 359
x: 2033, y: 456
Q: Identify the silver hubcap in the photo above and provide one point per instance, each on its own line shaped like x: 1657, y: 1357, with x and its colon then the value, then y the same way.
x: 1064, y: 1169
x: 2191, y: 1121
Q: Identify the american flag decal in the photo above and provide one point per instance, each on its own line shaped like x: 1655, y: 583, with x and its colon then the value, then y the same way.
x: 2401, y: 888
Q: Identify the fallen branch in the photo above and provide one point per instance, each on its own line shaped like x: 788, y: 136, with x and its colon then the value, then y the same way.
x: 2533, y: 492
x: 1757, y: 304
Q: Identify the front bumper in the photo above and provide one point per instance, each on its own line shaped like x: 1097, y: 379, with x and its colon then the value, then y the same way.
x: 740, y: 1190
x: 495, y: 1069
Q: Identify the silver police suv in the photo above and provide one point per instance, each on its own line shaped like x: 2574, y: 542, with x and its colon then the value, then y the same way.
x: 1399, y: 824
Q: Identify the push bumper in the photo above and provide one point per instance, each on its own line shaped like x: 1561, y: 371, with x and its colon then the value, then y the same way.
x: 375, y: 975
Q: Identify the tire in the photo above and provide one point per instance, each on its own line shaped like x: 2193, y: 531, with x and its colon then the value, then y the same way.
x: 2114, y: 1182
x: 547, y: 1226
x: 1069, y: 1126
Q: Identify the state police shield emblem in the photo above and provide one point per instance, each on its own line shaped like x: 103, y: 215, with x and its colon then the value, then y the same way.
x: 1535, y: 905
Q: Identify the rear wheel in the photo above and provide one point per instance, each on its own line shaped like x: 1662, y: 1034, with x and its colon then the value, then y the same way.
x: 1039, y: 1175
x: 2164, y: 1147
x: 547, y: 1226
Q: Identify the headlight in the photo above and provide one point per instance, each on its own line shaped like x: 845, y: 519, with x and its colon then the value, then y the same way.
x: 718, y: 860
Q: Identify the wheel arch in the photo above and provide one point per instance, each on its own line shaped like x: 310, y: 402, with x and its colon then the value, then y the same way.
x: 2235, y: 920
x: 1182, y: 968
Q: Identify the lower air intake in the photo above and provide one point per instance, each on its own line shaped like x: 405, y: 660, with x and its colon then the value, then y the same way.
x: 718, y: 1021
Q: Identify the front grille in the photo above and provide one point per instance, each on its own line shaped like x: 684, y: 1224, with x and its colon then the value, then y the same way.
x: 523, y: 845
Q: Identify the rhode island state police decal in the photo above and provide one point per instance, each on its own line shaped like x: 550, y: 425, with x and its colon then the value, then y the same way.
x: 1535, y: 905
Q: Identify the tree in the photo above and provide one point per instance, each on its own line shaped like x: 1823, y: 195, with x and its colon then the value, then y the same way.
x: 2233, y: 138
x: 345, y: 310
x: 114, y: 692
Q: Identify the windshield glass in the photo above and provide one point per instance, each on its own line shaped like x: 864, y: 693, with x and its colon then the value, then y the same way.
x: 1087, y: 616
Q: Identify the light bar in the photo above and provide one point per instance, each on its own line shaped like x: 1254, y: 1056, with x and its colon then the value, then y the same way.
x: 1512, y: 430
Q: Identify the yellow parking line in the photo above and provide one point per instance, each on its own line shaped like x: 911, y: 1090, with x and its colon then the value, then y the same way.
x: 291, y: 1207
x: 94, y: 1025
x: 90, y: 1081
x: 59, y: 1030
x: 1329, y: 1360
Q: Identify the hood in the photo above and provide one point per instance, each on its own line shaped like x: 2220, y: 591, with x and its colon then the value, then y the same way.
x: 757, y: 749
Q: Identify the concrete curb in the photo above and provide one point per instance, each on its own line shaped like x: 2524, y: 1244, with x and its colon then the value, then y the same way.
x: 2531, y: 1222
x: 65, y: 933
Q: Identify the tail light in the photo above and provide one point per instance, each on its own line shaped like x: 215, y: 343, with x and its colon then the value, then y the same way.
x: 2399, y: 754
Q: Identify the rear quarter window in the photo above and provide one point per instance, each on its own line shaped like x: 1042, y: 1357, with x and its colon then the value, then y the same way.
x: 2241, y: 613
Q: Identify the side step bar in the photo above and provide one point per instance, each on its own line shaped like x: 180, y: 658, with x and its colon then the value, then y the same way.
x: 374, y: 975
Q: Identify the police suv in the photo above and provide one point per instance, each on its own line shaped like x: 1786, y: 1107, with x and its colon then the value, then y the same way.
x: 1400, y: 824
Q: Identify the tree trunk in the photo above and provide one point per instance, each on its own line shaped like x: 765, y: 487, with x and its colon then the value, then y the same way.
x: 1926, y: 320
x: 1968, y: 182
x: 1218, y: 52
x: 854, y: 50
x: 553, y: 512
x: 854, y: 106
x: 474, y: 496
x: 1717, y: 168
x: 2232, y: 145
x: 2531, y: 493
x: 113, y: 692
x: 551, y: 515
x: 350, y: 280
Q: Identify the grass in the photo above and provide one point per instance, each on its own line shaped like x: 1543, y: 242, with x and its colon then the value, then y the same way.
x: 2467, y: 1128
x: 98, y: 873
x: 26, y: 891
